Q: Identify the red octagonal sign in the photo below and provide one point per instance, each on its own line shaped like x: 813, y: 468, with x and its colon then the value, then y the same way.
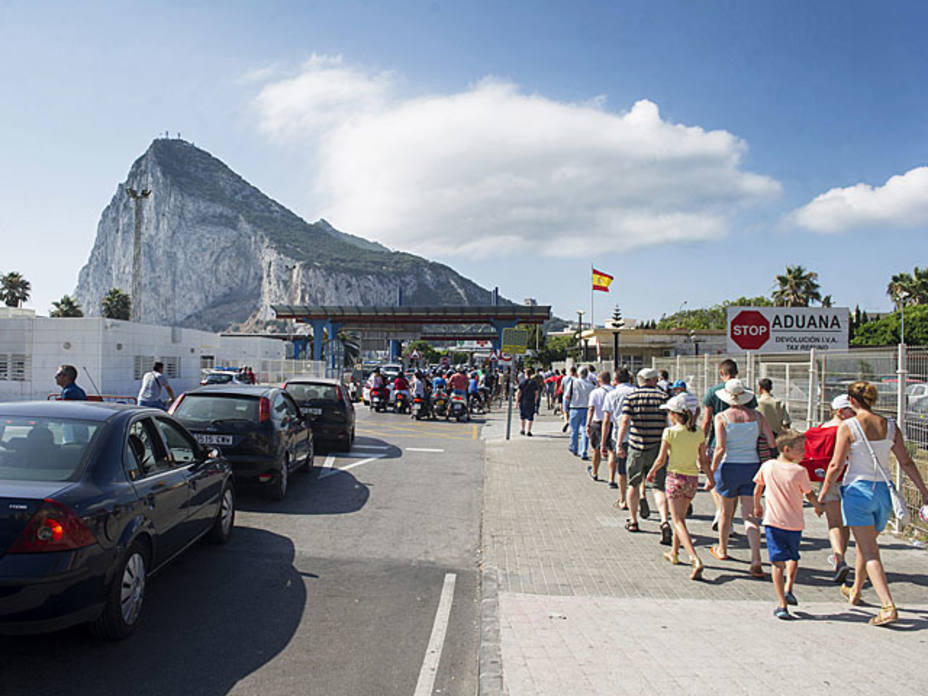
x: 750, y: 330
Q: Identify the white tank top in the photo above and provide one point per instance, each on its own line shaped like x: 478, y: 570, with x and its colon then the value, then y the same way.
x: 860, y: 465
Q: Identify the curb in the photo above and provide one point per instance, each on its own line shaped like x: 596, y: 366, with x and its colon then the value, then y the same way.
x: 490, y: 679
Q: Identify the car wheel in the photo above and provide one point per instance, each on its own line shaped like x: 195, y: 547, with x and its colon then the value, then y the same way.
x: 225, y: 518
x: 125, y: 596
x: 278, y: 490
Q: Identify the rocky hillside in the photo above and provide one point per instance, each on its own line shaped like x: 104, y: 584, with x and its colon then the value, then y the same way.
x: 216, y: 252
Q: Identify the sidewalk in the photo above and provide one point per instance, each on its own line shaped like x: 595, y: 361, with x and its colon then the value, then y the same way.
x: 585, y: 607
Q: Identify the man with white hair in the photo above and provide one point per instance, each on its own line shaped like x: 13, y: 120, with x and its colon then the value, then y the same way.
x: 644, y: 421
x: 577, y: 400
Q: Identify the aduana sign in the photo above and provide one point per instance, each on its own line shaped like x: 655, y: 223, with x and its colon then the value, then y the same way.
x: 787, y: 329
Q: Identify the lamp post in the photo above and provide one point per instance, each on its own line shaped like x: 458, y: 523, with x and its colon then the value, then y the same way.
x: 902, y: 375
x: 695, y: 341
x: 581, y: 353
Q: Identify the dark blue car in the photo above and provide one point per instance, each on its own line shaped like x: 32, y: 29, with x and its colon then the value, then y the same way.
x: 94, y: 499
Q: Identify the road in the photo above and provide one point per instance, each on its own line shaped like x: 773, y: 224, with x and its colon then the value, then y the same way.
x: 335, y: 590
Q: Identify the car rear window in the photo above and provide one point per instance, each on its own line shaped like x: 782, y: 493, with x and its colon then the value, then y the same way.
x: 211, y: 408
x: 218, y: 379
x: 44, y: 449
x: 312, y: 392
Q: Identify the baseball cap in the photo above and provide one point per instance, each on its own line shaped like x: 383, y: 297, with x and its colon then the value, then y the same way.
x: 840, y: 401
x: 677, y: 404
x: 679, y: 384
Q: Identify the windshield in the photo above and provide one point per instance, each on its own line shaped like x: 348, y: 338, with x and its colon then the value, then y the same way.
x: 209, y: 408
x: 44, y: 449
x: 312, y: 392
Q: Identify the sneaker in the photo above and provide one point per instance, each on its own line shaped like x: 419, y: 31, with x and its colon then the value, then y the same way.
x: 842, y: 570
x: 564, y: 429
x: 643, y: 510
x: 715, y: 525
x: 613, y: 484
x: 791, y: 599
x: 666, y: 534
x: 585, y: 458
x: 521, y: 432
x: 589, y: 470
x: 782, y: 613
x: 528, y: 434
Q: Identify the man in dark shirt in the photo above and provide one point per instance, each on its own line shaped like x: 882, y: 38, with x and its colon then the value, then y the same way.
x: 527, y: 396
x: 64, y: 378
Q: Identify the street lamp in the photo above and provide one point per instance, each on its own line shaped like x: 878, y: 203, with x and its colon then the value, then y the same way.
x: 695, y: 341
x: 580, y: 347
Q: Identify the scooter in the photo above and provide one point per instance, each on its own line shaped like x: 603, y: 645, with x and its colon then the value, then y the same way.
x: 458, y: 408
x: 401, y: 403
x: 420, y: 408
x: 440, y: 405
x: 379, y: 399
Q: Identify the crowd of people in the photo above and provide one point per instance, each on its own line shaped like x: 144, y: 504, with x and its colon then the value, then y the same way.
x: 648, y: 429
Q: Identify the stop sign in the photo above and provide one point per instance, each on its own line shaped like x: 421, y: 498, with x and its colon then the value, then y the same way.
x: 749, y: 330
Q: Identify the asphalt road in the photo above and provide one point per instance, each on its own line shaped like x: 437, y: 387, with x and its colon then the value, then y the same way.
x: 335, y: 590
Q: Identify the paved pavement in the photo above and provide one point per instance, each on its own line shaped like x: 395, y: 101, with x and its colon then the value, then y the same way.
x: 584, y: 607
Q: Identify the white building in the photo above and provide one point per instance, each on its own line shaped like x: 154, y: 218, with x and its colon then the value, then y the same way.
x: 112, y: 355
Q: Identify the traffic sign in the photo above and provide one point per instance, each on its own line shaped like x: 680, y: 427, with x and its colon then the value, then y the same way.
x: 514, y: 340
x: 749, y: 330
x: 414, y: 355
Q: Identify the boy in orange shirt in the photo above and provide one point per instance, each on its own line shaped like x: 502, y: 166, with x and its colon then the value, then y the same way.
x: 786, y: 482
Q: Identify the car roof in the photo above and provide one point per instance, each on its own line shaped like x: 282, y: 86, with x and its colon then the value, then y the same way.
x: 84, y: 410
x: 234, y: 389
x: 315, y: 380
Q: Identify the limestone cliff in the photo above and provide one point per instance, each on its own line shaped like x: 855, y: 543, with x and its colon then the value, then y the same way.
x: 217, y: 252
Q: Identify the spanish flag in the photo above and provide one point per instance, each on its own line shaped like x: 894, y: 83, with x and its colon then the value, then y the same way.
x: 601, y: 281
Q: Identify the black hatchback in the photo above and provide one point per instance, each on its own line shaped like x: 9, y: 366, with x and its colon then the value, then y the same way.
x: 325, y: 402
x: 259, y: 429
x: 94, y: 498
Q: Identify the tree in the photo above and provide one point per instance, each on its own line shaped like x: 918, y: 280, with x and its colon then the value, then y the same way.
x: 827, y: 301
x: 714, y: 317
x: 797, y: 288
x: 617, y: 322
x: 911, y: 289
x: 351, y: 348
x: 67, y: 306
x: 426, y: 350
x: 885, y: 330
x: 14, y: 289
x: 116, y: 304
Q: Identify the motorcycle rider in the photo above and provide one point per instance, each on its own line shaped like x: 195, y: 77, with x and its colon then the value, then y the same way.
x: 401, y: 386
x: 459, y: 383
x: 473, y: 389
x: 374, y: 382
x: 420, y: 391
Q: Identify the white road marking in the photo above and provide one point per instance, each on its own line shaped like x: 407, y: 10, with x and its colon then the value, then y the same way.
x: 429, y: 671
x: 328, y: 471
x: 329, y: 461
x: 371, y: 447
x: 423, y: 449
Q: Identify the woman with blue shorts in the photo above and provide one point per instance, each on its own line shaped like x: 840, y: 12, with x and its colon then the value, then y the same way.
x: 862, y: 450
x: 734, y: 464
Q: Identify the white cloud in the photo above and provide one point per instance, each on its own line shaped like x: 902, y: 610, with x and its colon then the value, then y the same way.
x: 901, y: 202
x: 492, y: 169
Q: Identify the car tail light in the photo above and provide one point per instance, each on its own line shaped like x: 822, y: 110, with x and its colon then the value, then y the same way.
x: 54, y: 527
x: 264, y: 410
x: 283, y: 386
x: 176, y: 403
x: 338, y: 393
x: 417, y: 400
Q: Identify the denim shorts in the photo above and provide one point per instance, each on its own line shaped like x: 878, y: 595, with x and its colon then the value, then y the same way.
x: 733, y: 479
x: 783, y: 544
x: 865, y: 504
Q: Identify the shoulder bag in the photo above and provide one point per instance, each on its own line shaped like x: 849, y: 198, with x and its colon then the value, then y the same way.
x: 899, y: 507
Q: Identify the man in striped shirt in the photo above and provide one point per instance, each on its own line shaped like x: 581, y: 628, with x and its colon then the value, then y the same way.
x: 644, y: 421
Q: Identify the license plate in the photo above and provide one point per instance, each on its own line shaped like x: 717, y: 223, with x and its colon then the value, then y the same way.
x: 214, y: 439
x: 314, y: 411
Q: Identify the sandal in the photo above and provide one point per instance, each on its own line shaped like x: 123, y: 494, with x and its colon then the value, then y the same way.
x: 620, y: 505
x: 631, y: 526
x: 714, y: 551
x: 666, y: 534
x: 757, y: 571
x: 671, y: 557
x: 886, y: 616
x: 852, y: 599
x: 697, y: 569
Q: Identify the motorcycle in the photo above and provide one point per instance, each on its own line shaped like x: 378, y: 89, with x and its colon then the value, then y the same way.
x: 401, y: 403
x: 440, y: 405
x: 458, y: 408
x: 420, y: 408
x: 379, y: 399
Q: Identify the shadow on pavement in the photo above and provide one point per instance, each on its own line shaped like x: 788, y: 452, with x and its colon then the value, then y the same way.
x: 337, y: 494
x: 211, y: 618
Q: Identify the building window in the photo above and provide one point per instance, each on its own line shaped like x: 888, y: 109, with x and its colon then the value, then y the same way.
x: 4, y: 367
x: 171, y: 366
x: 17, y: 367
x: 207, y: 362
x: 141, y: 365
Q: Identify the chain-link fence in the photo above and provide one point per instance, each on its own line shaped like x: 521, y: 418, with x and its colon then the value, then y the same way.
x: 808, y: 383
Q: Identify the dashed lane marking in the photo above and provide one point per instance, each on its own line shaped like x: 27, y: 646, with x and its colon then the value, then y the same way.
x: 429, y: 671
x: 371, y: 447
x: 423, y: 449
x: 329, y: 470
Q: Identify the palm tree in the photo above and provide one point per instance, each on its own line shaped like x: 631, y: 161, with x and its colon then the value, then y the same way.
x: 67, y: 306
x: 351, y: 348
x: 827, y: 301
x: 14, y: 289
x: 116, y: 304
x: 797, y: 288
x: 911, y: 289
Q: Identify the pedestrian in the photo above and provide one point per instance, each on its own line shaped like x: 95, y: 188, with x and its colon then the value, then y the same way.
x: 785, y: 483
x: 612, y: 412
x: 712, y: 406
x: 862, y: 451
x: 65, y: 378
x: 664, y: 381
x: 735, y: 461
x: 153, y: 383
x: 527, y: 398
x: 677, y: 387
x: 591, y: 375
x: 683, y: 452
x: 594, y: 422
x: 643, y: 421
x: 819, y: 449
x: 772, y: 409
x: 576, y: 402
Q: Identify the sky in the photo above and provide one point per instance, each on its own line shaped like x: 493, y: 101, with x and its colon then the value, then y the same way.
x: 692, y: 150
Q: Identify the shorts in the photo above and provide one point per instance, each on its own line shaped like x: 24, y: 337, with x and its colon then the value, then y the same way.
x: 596, y: 434
x: 834, y: 495
x: 620, y: 465
x: 681, y: 485
x: 639, y: 464
x: 783, y: 544
x: 527, y: 411
x: 733, y: 479
x: 866, y: 504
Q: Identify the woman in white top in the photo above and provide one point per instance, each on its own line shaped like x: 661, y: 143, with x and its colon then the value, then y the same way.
x: 862, y: 446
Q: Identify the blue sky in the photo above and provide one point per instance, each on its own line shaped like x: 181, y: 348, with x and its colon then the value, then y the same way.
x: 518, y: 142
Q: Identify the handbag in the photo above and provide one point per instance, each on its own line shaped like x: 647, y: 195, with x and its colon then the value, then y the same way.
x: 900, y: 510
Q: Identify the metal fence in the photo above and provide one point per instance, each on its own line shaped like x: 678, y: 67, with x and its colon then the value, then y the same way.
x: 277, y: 371
x: 807, y: 383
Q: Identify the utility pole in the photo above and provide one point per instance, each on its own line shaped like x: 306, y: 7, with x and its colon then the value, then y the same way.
x: 581, y: 356
x: 136, y: 298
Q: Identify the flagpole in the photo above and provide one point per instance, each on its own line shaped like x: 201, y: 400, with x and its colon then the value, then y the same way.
x: 592, y: 295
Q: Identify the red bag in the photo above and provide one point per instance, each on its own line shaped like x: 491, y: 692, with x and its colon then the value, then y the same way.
x: 820, y: 446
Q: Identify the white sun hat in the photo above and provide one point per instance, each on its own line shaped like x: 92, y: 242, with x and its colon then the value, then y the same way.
x: 734, y: 393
